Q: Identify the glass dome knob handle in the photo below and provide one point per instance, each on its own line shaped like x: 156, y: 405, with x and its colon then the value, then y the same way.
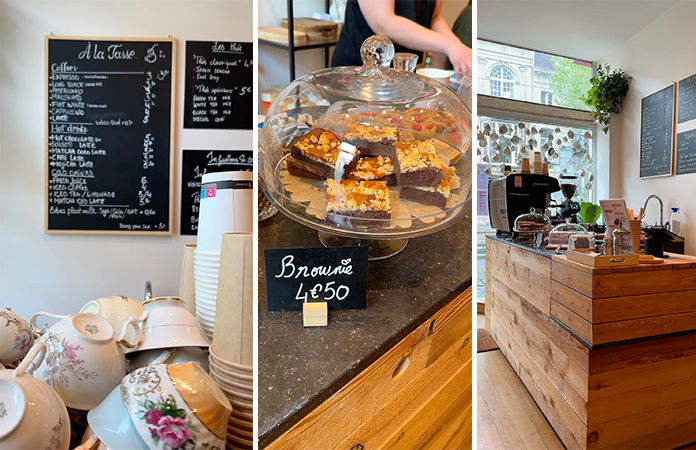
x: 377, y: 51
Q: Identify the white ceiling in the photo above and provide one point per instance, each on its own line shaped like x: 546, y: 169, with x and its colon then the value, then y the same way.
x: 582, y: 29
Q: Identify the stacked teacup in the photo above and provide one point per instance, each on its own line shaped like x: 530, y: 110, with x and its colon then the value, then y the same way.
x: 236, y: 381
x: 226, y: 206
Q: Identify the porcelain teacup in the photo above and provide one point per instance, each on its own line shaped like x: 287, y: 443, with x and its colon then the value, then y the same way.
x: 32, y: 415
x: 117, y: 309
x: 84, y: 361
x: 170, y: 325
x: 16, y: 337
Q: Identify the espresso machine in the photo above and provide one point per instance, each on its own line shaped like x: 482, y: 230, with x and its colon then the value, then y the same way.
x: 515, y: 194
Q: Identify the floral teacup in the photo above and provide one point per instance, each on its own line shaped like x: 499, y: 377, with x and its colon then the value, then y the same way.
x: 118, y: 309
x: 176, y: 406
x: 16, y: 337
x: 32, y: 415
x: 84, y: 361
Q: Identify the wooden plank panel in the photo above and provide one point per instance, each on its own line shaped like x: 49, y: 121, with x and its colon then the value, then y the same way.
x: 581, y: 281
x: 622, y: 284
x: 488, y: 436
x: 666, y: 427
x: 573, y: 300
x: 573, y: 321
x: 645, y: 305
x: 649, y: 326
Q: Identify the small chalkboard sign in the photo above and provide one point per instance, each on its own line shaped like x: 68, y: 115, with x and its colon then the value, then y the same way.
x: 337, y: 275
x: 657, y: 133
x: 686, y: 152
x: 195, y: 164
x: 109, y: 135
x: 219, y: 78
x: 686, y: 99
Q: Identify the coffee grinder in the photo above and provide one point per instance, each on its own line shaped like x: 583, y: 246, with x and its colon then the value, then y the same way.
x: 569, y: 208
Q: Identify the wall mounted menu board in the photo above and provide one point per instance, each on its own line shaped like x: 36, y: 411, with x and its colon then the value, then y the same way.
x: 218, y: 91
x: 197, y: 163
x: 686, y: 152
x: 109, y: 135
x: 657, y: 133
x: 686, y: 99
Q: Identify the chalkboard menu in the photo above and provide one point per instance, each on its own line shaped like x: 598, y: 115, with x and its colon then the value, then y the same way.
x: 657, y: 133
x: 197, y: 163
x: 109, y: 135
x: 686, y: 152
x: 218, y: 92
x: 686, y: 100
x: 337, y: 275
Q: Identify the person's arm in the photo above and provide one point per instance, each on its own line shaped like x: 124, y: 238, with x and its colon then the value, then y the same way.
x: 439, y: 25
x: 382, y: 20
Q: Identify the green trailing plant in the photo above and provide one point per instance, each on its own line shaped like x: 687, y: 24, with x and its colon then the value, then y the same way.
x: 609, y: 87
x: 589, y: 212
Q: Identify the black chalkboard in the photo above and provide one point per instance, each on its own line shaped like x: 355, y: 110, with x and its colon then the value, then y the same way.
x: 109, y: 135
x: 218, y: 92
x: 686, y: 99
x: 197, y: 163
x: 337, y: 275
x: 657, y: 133
x: 686, y: 152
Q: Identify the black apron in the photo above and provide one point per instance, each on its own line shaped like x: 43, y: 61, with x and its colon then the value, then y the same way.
x: 355, y: 29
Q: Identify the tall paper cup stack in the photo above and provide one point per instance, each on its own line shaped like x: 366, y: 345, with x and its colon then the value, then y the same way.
x: 226, y: 207
x: 635, y: 234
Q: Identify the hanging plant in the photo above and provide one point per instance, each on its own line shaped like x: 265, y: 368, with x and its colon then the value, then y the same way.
x: 609, y: 87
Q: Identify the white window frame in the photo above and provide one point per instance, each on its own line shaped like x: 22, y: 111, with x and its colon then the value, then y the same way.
x: 502, y: 81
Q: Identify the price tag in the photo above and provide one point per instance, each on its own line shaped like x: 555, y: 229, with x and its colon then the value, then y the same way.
x: 337, y: 275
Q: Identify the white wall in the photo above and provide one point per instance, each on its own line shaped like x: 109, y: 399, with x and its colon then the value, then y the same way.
x: 658, y: 55
x: 59, y: 273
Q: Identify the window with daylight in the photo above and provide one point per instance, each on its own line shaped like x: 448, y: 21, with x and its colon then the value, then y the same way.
x: 521, y: 74
x: 502, y: 82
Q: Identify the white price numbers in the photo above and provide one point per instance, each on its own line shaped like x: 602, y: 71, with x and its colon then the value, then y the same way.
x: 339, y: 293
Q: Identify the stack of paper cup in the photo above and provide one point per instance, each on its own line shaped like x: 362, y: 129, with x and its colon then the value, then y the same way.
x: 226, y: 206
x: 236, y: 381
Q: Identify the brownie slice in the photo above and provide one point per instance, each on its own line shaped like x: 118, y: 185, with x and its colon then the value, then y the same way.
x: 356, y: 204
x: 374, y: 169
x: 434, y: 196
x: 300, y: 169
x: 322, y: 153
x: 417, y: 164
x: 372, y: 140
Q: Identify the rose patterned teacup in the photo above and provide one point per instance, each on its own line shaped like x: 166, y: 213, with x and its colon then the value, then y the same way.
x: 32, y: 415
x: 176, y: 406
x: 16, y: 337
x: 84, y: 361
x: 118, y: 309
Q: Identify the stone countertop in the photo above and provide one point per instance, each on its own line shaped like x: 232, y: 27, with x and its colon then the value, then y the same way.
x: 301, y: 367
x: 546, y: 253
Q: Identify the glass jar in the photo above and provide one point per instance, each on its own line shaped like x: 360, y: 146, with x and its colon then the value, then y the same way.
x: 561, y: 234
x: 622, y: 239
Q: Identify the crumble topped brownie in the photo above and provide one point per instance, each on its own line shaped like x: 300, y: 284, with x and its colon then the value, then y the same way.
x: 427, y: 195
x: 374, y: 169
x: 372, y: 140
x: 321, y: 152
x: 417, y: 164
x: 356, y: 203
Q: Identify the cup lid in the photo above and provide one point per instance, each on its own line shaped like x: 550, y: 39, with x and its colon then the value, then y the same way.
x: 12, y: 406
x: 92, y: 327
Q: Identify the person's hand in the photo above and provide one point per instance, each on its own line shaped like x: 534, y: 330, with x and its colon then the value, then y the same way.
x: 460, y: 57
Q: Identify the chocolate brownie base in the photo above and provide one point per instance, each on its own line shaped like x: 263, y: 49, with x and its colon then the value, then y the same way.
x: 322, y: 168
x: 364, y: 220
x: 299, y: 169
x: 424, y: 197
x: 429, y: 177
x: 371, y: 148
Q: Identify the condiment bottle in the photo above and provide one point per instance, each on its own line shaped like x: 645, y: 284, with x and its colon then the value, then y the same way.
x: 621, y: 238
x: 608, y: 243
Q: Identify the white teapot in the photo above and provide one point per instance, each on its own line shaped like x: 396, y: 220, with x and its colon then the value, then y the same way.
x: 84, y: 361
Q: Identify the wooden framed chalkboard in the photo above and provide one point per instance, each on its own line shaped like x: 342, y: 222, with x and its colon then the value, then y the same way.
x: 109, y: 135
x: 686, y: 152
x: 686, y: 99
x: 657, y: 133
x: 218, y: 91
x: 195, y: 164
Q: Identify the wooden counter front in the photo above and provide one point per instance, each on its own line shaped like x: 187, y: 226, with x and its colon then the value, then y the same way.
x: 628, y: 385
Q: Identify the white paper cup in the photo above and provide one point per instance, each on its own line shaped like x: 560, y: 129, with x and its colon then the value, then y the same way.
x: 226, y: 206
x: 440, y: 75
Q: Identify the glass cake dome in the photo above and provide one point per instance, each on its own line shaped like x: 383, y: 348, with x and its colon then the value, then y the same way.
x: 368, y: 153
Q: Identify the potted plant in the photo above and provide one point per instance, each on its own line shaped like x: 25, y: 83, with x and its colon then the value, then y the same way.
x: 589, y: 214
x: 609, y: 87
